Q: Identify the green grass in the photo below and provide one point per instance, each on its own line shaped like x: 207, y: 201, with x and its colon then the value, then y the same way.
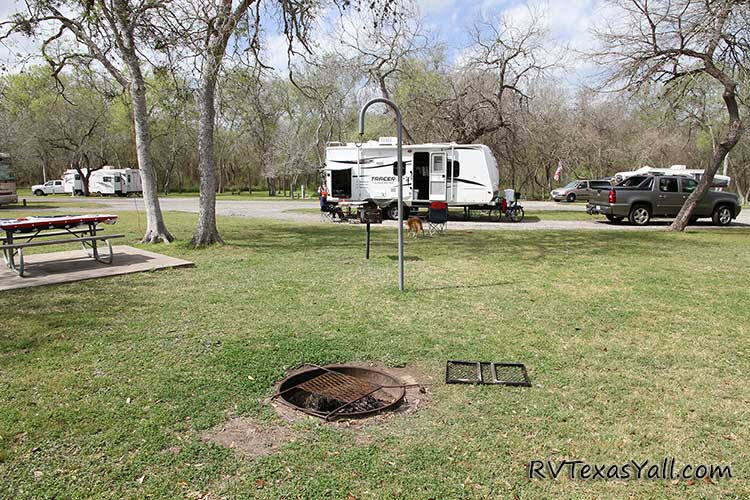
x: 529, y: 215
x: 636, y: 345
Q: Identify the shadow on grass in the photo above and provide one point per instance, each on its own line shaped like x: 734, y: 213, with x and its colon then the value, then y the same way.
x: 465, y: 287
x: 408, y: 258
x: 532, y: 245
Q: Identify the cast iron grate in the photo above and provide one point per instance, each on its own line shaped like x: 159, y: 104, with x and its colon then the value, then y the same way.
x: 484, y: 372
x: 338, y: 391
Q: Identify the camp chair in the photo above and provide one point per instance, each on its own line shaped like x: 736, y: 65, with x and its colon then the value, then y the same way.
x: 326, y: 214
x: 437, y: 217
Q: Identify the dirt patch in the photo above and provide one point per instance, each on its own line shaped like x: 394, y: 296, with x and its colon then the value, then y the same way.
x: 249, y: 438
x: 416, y: 398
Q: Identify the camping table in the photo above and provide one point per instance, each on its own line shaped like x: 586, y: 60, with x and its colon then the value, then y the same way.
x: 20, y: 233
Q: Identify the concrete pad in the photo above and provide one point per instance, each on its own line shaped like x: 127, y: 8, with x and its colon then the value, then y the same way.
x: 66, y: 267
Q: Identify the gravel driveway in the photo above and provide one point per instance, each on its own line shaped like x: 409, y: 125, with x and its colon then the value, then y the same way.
x: 285, y: 210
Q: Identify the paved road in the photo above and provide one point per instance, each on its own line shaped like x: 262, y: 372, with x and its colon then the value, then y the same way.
x: 286, y: 210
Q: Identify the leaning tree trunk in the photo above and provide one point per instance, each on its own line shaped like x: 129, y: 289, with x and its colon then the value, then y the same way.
x: 717, y: 159
x: 206, y: 233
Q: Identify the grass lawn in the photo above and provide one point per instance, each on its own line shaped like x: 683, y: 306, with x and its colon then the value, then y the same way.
x: 529, y: 215
x: 636, y: 344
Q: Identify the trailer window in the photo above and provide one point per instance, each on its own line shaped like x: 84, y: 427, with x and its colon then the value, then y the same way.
x: 107, y: 179
x: 454, y: 168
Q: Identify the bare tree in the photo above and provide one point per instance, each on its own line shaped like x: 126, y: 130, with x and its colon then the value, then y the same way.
x: 677, y: 43
x: 503, y: 59
x: 380, y: 49
x: 105, y: 31
x: 206, y: 29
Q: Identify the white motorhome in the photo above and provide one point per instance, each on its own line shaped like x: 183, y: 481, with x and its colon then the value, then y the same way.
x: 720, y: 181
x: 459, y: 174
x: 118, y: 181
x: 72, y: 181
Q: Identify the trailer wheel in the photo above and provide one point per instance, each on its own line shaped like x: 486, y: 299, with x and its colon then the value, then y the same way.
x: 391, y: 212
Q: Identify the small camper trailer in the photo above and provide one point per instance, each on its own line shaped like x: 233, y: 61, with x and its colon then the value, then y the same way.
x: 463, y: 175
x: 72, y: 181
x: 116, y: 181
x: 106, y: 181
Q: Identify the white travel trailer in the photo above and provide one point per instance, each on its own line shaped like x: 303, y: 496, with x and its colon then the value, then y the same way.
x: 459, y: 174
x: 118, y: 181
x: 720, y: 181
x: 105, y: 181
x: 72, y: 181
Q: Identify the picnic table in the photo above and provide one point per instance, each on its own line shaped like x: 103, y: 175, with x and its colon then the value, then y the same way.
x: 25, y: 232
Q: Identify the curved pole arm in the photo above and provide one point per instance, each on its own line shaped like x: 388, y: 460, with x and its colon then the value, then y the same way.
x: 377, y: 100
x: 400, y: 174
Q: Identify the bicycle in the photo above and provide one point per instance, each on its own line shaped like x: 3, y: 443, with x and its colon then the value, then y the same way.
x: 513, y: 210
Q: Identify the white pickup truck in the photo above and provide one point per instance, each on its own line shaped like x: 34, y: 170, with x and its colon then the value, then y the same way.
x: 49, y: 187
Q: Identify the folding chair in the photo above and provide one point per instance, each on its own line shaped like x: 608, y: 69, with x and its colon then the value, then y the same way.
x: 437, y: 217
x: 326, y: 215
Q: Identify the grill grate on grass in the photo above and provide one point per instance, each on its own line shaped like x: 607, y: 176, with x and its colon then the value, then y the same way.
x: 485, y: 372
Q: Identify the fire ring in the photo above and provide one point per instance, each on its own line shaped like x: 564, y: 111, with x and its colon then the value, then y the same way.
x: 340, y: 391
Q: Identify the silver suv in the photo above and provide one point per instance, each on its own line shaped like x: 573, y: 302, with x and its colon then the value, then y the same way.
x: 579, y: 190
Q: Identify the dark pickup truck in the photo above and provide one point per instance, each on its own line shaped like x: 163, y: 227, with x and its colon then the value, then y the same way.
x: 641, y: 197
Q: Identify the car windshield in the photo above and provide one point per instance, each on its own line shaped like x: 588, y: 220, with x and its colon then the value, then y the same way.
x: 571, y: 184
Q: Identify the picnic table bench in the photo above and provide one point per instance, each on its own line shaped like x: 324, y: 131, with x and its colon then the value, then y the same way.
x: 24, y: 233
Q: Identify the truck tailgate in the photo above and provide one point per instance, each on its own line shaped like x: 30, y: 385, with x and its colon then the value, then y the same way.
x: 599, y: 197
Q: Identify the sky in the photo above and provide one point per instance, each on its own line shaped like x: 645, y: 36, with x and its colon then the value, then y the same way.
x: 569, y: 24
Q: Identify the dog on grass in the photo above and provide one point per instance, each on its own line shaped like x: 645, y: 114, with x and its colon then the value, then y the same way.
x: 414, y: 226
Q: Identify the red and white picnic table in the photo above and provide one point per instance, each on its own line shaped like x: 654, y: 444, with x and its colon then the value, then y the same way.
x: 20, y: 233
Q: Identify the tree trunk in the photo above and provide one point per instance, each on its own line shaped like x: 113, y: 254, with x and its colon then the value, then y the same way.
x: 271, y: 181
x: 206, y: 232
x: 156, y: 230
x: 720, y: 152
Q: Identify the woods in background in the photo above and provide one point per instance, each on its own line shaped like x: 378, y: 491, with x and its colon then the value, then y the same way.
x: 505, y: 90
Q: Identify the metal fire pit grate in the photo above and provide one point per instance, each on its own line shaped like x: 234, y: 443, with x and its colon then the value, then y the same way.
x: 480, y: 372
x: 339, y: 391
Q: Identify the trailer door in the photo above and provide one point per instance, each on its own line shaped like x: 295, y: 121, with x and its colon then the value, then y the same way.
x: 117, y: 184
x: 437, y: 177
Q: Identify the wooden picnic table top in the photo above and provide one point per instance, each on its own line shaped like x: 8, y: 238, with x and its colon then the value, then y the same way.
x: 42, y: 223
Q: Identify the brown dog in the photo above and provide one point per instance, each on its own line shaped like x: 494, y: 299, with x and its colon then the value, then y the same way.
x: 414, y: 226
